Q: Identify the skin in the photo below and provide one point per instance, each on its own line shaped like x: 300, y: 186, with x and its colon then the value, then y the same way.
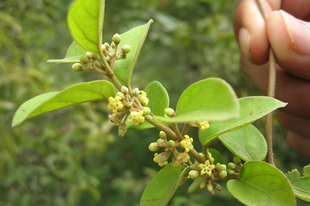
x: 287, y: 30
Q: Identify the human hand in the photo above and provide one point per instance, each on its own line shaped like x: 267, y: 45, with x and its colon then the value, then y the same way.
x: 287, y: 30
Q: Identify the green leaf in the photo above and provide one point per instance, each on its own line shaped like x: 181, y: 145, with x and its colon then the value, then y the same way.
x: 162, y: 187
x: 307, y: 171
x: 210, y: 99
x: 73, y: 54
x: 76, y: 94
x: 259, y: 184
x: 218, y: 158
x: 301, y: 188
x: 85, y: 21
x: 251, y: 109
x: 293, y: 175
x: 135, y: 39
x: 247, y: 143
x: 158, y: 101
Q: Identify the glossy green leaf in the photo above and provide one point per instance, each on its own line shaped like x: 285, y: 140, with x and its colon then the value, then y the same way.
x: 85, y: 21
x: 162, y: 187
x: 259, y: 184
x: 301, y: 185
x: 76, y: 94
x: 135, y: 39
x: 158, y: 101
x: 73, y: 54
x: 251, y: 109
x: 247, y: 143
x: 210, y: 99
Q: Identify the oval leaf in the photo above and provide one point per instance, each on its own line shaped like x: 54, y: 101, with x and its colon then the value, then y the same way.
x: 76, y: 94
x: 158, y: 102
x: 135, y: 39
x: 162, y: 187
x: 251, y: 109
x: 210, y: 99
x: 73, y: 54
x: 85, y: 21
x: 261, y: 184
x: 247, y: 143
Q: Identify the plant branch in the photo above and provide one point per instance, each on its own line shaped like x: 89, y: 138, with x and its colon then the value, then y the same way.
x: 271, y: 92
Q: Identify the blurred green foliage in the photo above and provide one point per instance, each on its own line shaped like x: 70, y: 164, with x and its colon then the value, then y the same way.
x: 74, y: 156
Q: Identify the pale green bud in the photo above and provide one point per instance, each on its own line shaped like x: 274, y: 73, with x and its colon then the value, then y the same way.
x: 77, y: 67
x: 154, y: 146
x: 126, y: 48
x: 210, y: 188
x: 162, y: 135
x: 231, y: 165
x: 193, y: 174
x: 169, y: 112
x: 124, y: 90
x: 171, y: 143
x: 236, y: 160
x: 116, y: 38
x: 162, y: 142
x: 94, y: 56
x: 223, y: 174
x: 230, y: 172
x: 121, y: 95
x: 113, y: 45
x: 122, y: 129
x: 83, y: 59
x: 135, y: 92
x: 202, y: 185
x: 88, y: 55
x: 146, y: 111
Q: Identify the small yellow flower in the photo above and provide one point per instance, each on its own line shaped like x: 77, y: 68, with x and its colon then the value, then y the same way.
x: 210, y: 155
x: 136, y: 117
x: 206, y: 168
x: 187, y: 143
x: 203, y: 125
x: 115, y: 104
x: 161, y: 158
x: 142, y: 98
x: 180, y: 159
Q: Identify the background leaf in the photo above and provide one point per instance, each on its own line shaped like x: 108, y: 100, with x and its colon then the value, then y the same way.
x: 251, y: 109
x: 301, y: 185
x: 158, y: 101
x: 85, y: 21
x: 247, y: 143
x: 73, y: 54
x: 79, y: 93
x: 210, y: 99
x: 163, y: 186
x: 135, y: 39
x: 259, y: 184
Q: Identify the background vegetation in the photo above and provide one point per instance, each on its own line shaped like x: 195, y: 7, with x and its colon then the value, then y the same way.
x: 74, y: 156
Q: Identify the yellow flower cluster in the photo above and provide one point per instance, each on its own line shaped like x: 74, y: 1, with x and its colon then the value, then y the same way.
x: 160, y: 159
x: 206, y: 168
x: 203, y: 125
x: 115, y: 104
x: 187, y: 143
x: 143, y: 99
x: 136, y: 117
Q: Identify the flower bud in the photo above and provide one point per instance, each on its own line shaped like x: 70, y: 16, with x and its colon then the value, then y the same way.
x: 154, y: 146
x: 171, y: 144
x: 230, y: 172
x: 94, y: 56
x: 88, y: 55
x: 231, y: 165
x: 223, y: 174
x: 222, y: 167
x: 124, y: 90
x: 83, y: 59
x: 180, y: 159
x: 236, y: 160
x: 122, y: 129
x: 121, y: 95
x: 135, y: 92
x: 169, y: 112
x: 77, y: 67
x: 202, y: 185
x: 126, y: 49
x: 210, y: 188
x: 113, y: 45
x: 161, y: 142
x: 116, y: 38
x: 193, y: 174
x: 146, y: 111
x: 162, y: 135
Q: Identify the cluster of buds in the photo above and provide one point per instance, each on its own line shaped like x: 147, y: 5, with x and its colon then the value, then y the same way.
x: 87, y: 61
x: 234, y: 167
x: 127, y: 104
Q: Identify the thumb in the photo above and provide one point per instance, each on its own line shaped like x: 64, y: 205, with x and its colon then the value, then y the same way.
x: 290, y: 40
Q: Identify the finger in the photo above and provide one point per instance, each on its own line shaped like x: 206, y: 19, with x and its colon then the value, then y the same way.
x: 290, y: 89
x: 299, y: 143
x: 298, y: 8
x: 298, y: 125
x: 290, y: 40
x: 250, y: 31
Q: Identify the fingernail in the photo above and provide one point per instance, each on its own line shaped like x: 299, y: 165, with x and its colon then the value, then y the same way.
x: 298, y: 32
x: 244, y: 41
